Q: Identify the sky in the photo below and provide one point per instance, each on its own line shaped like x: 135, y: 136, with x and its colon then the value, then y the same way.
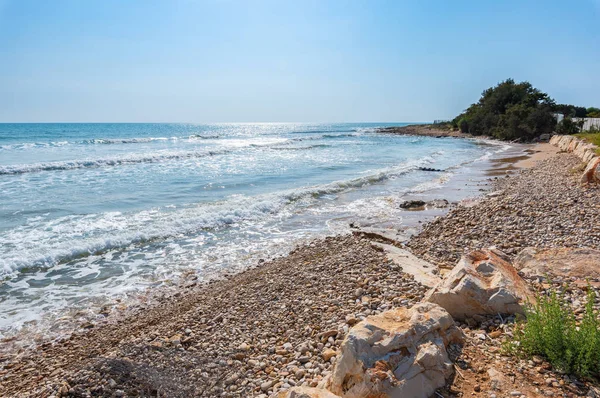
x: 286, y: 61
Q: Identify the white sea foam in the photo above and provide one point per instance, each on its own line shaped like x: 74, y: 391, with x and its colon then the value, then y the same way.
x: 127, y: 140
x: 100, y: 141
x: 152, y: 157
x: 224, y: 146
x: 44, y: 243
x: 191, y: 138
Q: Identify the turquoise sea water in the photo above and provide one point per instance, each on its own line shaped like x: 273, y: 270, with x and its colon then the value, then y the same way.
x: 89, y: 212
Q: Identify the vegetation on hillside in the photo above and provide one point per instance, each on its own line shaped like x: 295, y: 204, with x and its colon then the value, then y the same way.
x: 518, y: 111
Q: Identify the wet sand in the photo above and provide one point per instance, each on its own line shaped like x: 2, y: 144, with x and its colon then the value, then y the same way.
x: 537, y: 153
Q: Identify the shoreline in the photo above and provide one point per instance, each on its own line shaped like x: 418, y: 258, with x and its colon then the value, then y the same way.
x: 427, y: 130
x: 465, y: 181
x: 292, y: 299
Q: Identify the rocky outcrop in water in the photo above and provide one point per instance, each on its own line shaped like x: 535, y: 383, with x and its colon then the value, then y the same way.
x: 413, y: 205
x: 422, y: 205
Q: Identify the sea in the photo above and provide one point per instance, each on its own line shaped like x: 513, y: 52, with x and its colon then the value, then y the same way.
x: 93, y: 213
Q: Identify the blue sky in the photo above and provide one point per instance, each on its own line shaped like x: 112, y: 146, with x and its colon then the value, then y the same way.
x: 301, y: 61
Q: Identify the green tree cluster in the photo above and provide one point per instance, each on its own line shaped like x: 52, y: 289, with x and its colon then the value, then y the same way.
x: 570, y: 110
x: 509, y: 111
x: 592, y: 112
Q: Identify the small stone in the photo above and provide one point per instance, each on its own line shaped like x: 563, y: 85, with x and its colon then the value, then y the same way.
x: 266, y: 385
x: 328, y: 354
x: 244, y: 347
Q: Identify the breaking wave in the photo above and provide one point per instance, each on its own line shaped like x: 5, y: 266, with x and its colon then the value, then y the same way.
x: 43, y: 243
x: 104, y: 162
x: 144, y: 140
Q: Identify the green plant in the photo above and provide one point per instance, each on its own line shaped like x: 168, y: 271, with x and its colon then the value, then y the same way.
x: 552, y: 331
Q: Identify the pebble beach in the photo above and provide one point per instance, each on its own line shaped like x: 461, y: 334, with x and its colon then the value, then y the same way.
x: 279, y: 324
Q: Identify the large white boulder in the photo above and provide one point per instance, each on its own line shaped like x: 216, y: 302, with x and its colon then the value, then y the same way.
x: 592, y: 171
x: 573, y: 145
x: 578, y: 263
x: 582, y: 148
x: 565, y: 141
x: 483, y: 282
x: 398, y: 353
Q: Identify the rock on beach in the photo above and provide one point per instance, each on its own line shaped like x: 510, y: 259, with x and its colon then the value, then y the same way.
x: 401, y: 352
x: 482, y: 283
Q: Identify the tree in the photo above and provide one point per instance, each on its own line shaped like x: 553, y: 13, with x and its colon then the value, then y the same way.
x: 571, y: 110
x: 510, y: 111
x: 593, y: 112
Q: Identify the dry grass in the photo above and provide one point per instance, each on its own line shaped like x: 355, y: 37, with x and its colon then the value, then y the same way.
x: 593, y: 137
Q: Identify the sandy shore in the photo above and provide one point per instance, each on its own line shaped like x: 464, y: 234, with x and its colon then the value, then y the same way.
x: 276, y: 325
x: 538, y: 152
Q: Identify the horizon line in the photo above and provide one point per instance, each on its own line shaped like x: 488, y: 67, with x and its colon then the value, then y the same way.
x: 330, y: 122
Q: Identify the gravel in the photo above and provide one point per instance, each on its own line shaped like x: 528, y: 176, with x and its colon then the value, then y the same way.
x: 264, y: 330
x: 543, y: 207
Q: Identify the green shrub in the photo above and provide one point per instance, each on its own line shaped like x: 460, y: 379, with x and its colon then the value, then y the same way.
x: 568, y: 126
x: 592, y: 112
x: 463, y: 125
x: 552, y: 331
